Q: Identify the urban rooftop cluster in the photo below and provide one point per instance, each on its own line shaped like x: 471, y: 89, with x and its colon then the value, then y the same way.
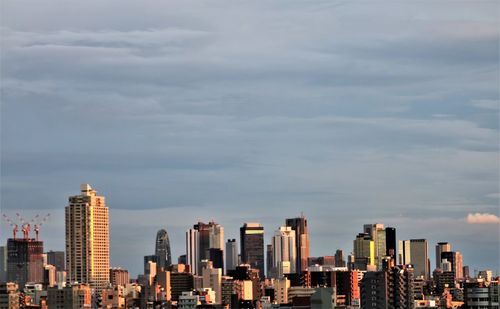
x: 380, y: 272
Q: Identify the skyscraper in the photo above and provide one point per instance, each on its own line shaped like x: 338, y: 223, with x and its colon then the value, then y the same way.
x: 284, y: 252
x: 162, y: 250
x: 199, y: 240
x: 252, y: 246
x: 404, y: 252
x: 339, y: 258
x: 24, y: 261
x: 231, y: 254
x: 192, y: 254
x: 299, y: 225
x: 440, y: 248
x: 57, y: 259
x: 87, y: 238
x: 419, y: 257
x: 364, y: 252
x: 390, y: 242
x: 377, y: 233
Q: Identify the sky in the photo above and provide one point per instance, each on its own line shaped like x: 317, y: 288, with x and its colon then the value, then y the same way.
x: 349, y: 112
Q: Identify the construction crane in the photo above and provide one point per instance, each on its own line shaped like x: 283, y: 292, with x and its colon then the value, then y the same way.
x: 25, y: 227
x: 38, y: 222
x: 12, y: 224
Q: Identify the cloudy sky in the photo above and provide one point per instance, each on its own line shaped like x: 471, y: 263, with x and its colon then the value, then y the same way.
x: 351, y: 112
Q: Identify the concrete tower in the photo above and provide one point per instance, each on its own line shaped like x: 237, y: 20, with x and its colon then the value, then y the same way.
x: 87, y: 238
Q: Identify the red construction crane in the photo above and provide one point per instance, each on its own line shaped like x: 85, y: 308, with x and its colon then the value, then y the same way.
x: 26, y: 226
x: 12, y: 224
x: 38, y: 222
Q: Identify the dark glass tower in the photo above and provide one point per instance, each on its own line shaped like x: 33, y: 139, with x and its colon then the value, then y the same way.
x: 252, y: 246
x: 390, y: 241
x: 162, y: 250
x: 299, y: 225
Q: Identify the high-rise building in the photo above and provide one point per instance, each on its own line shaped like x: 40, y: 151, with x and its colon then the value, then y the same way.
x: 299, y: 225
x: 440, y: 248
x: 252, y: 246
x: 339, y: 258
x: 389, y: 289
x: 269, y: 260
x: 162, y: 250
x: 24, y: 261
x: 192, y: 251
x: 9, y: 295
x: 57, y: 259
x: 455, y: 261
x: 199, y: 240
x: 390, y: 242
x: 419, y: 257
x: 87, y: 238
x: 404, y: 252
x: 231, y: 254
x: 377, y: 233
x: 284, y: 252
x: 364, y: 252
x: 3, y: 264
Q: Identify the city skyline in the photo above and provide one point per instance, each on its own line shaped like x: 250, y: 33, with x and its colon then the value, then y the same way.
x: 180, y: 112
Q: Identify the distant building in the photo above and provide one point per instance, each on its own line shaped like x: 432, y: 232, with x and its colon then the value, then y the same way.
x: 252, y: 246
x: 199, y: 240
x: 162, y: 250
x: 420, y: 257
x: 440, y: 248
x: 364, y: 252
x: 231, y: 254
x: 284, y: 254
x: 3, y: 263
x: 119, y: 276
x: 87, y: 238
x: 179, y: 282
x: 390, y: 242
x: 24, y: 261
x: 377, y: 234
x: 302, y: 247
x: 339, y: 258
x: 57, y: 259
x: 76, y: 296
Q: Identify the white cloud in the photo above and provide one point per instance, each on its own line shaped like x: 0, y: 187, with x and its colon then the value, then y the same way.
x: 482, y: 218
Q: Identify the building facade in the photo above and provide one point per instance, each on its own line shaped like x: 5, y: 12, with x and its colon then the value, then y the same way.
x: 302, y: 246
x: 252, y: 246
x: 87, y: 238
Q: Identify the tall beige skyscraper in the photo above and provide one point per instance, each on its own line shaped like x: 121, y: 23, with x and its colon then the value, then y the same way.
x: 87, y: 238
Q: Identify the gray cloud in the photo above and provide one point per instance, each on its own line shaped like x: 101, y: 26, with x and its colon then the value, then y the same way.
x: 179, y: 111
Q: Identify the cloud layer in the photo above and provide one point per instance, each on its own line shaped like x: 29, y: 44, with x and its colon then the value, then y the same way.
x: 184, y: 110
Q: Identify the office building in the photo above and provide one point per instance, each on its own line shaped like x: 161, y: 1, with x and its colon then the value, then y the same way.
x: 76, y: 296
x: 339, y: 258
x: 212, y: 278
x: 57, y: 259
x: 162, y: 250
x: 377, y: 233
x: 284, y: 254
x: 231, y: 254
x: 302, y: 247
x: 364, y: 252
x: 419, y: 257
x: 87, y: 238
x: 24, y: 261
x: 455, y: 263
x: 404, y: 252
x: 440, y: 248
x: 252, y: 246
x: 119, y: 276
x: 390, y: 242
x: 199, y: 240
x: 3, y: 263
